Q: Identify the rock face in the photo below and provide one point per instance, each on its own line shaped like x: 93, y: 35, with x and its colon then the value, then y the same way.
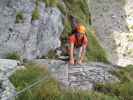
x: 30, y: 38
x: 113, y: 21
x: 7, y: 68
x: 83, y: 76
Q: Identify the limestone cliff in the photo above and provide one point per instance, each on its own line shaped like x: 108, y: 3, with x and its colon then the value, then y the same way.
x: 113, y: 21
x: 30, y: 37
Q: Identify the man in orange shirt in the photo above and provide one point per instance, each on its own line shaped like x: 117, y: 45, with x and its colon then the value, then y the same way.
x: 78, y: 44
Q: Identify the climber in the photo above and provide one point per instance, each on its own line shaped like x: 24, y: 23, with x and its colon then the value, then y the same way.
x: 77, y: 45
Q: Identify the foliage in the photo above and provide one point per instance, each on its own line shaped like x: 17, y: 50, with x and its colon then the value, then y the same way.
x: 67, y: 31
x: 13, y: 55
x: 124, y: 89
x: 94, y: 51
x: 52, y: 3
x: 35, y: 14
x: 22, y: 78
x: 19, y: 17
x: 62, y: 7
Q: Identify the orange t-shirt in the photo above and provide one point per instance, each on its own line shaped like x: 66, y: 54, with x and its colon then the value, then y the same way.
x: 77, y: 43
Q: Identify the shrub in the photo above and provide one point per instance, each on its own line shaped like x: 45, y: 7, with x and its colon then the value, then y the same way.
x: 124, y: 89
x: 31, y: 73
x: 62, y: 8
x: 67, y: 31
x: 94, y: 51
x: 51, y: 2
x: 37, y: 2
x: 35, y: 14
x: 19, y: 17
x: 13, y: 55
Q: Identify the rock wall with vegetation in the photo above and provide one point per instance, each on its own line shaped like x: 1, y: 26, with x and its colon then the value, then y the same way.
x: 33, y: 28
x: 29, y: 28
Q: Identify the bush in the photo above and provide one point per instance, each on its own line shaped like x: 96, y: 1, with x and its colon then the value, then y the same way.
x: 35, y: 14
x: 37, y: 2
x: 67, y: 31
x: 19, y: 17
x: 62, y: 8
x: 94, y: 51
x: 22, y: 78
x: 51, y: 2
x: 13, y: 55
x: 124, y: 89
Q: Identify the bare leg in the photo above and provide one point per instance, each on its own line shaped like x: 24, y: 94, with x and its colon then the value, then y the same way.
x: 81, y: 54
x: 71, y: 54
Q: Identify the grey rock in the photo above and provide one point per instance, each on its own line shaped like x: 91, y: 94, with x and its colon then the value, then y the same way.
x: 7, y: 68
x: 112, y: 20
x: 83, y: 76
x: 30, y: 39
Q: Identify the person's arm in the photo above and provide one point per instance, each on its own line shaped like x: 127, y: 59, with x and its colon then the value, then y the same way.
x: 71, y: 54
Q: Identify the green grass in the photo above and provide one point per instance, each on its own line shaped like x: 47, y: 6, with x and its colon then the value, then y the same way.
x: 19, y: 17
x: 51, y: 3
x: 24, y: 77
x: 13, y: 55
x: 35, y: 14
x: 67, y: 31
x: 62, y: 7
x: 94, y: 51
x: 123, y: 89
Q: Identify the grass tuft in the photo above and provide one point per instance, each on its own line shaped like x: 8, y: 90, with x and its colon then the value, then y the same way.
x: 124, y: 89
x: 19, y: 17
x: 13, y: 55
x: 51, y: 3
x: 35, y: 14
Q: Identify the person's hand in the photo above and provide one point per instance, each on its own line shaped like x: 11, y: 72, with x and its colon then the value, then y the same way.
x: 71, y: 61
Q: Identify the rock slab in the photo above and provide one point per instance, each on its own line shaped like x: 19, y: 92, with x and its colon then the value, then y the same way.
x: 83, y: 76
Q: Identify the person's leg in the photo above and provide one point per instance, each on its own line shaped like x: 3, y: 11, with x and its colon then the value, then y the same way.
x: 71, y: 53
x: 81, y: 55
x: 76, y: 54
